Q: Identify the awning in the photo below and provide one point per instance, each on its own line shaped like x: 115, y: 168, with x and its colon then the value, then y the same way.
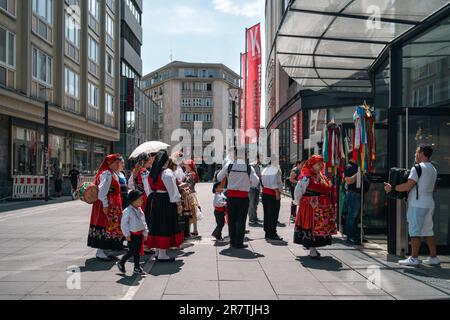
x: 330, y: 44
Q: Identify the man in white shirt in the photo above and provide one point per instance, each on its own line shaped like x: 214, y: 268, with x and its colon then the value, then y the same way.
x: 420, y: 187
x: 271, y: 199
x: 241, y: 177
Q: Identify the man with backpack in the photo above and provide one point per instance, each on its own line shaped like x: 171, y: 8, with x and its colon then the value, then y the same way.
x: 420, y: 187
x: 241, y: 177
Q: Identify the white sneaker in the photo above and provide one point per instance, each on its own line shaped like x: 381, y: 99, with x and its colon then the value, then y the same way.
x: 411, y: 262
x: 432, y: 261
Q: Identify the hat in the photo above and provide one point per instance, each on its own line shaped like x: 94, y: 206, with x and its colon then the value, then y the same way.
x: 134, y: 195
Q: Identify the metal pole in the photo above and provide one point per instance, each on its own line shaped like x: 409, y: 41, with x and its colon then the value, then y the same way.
x: 46, y: 159
x: 246, y: 88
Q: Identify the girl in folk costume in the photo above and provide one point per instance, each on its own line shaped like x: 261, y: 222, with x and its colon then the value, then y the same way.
x: 316, y: 221
x: 139, y: 178
x: 104, y: 231
x: 192, y: 178
x: 164, y: 230
x: 123, y: 183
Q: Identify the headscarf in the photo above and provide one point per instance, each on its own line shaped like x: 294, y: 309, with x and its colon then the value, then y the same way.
x: 106, y: 163
x: 191, y: 164
x: 143, y: 158
x: 307, y: 170
x: 161, y: 159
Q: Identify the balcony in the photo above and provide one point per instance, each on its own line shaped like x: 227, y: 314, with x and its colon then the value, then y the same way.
x: 93, y: 114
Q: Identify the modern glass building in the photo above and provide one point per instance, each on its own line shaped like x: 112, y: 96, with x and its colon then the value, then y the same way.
x: 325, y: 58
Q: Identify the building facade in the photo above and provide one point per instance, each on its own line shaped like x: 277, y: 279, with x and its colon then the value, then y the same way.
x: 65, y: 52
x: 189, y: 93
x: 400, y: 68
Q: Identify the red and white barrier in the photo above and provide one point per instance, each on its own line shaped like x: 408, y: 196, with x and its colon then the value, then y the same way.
x: 84, y: 179
x: 29, y: 187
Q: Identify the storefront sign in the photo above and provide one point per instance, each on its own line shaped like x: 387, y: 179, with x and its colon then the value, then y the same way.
x: 99, y: 149
x: 80, y: 146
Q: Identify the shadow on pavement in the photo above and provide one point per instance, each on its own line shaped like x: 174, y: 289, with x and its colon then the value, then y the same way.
x: 130, y: 281
x: 95, y: 265
x: 241, y: 253
x: 166, y: 268
x: 277, y: 243
x: 325, y: 263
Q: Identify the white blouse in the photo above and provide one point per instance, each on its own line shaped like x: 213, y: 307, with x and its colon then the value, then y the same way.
x: 104, y: 186
x: 300, y: 190
x: 170, y: 181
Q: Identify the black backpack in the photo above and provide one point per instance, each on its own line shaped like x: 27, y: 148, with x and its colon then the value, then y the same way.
x: 399, y: 176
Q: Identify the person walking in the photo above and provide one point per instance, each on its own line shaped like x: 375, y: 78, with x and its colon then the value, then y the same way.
x: 271, y: 199
x: 254, y: 195
x: 316, y: 220
x: 104, y: 230
x: 241, y: 177
x: 58, y: 176
x: 74, y: 174
x: 420, y: 186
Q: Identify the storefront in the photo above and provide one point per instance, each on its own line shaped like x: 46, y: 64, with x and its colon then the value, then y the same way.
x: 401, y: 69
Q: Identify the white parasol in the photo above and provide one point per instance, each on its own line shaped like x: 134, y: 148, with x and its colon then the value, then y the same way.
x: 149, y: 147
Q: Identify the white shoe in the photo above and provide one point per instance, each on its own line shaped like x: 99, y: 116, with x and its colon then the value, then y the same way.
x: 432, y: 261
x: 411, y: 262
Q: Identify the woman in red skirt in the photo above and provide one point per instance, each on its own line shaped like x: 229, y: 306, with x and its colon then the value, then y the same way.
x: 316, y: 220
x: 104, y: 231
x: 164, y: 230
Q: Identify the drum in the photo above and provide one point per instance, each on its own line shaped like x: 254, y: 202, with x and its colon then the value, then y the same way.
x: 88, y: 192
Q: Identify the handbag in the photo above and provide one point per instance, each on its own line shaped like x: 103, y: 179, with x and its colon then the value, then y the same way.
x: 199, y: 214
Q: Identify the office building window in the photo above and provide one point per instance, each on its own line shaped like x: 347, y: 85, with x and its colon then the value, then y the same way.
x: 7, y: 48
x: 72, y: 81
x: 72, y: 30
x: 93, y: 95
x: 109, y: 25
x: 93, y: 50
x: 94, y: 9
x: 41, y: 67
x: 109, y: 64
x: 44, y: 9
x: 9, y: 6
x: 109, y: 104
x: 135, y: 11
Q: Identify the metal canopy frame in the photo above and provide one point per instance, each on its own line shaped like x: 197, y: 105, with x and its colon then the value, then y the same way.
x: 301, y: 48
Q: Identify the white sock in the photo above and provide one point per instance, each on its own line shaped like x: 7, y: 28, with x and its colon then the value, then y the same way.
x: 101, y: 253
x: 162, y: 254
x: 195, y: 228
x: 313, y: 252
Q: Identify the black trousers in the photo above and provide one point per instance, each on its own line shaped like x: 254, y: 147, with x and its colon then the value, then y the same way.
x: 220, y: 221
x: 237, y: 219
x: 134, y: 250
x: 271, y: 214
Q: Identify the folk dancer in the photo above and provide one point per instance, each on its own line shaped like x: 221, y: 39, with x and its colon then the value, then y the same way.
x: 271, y: 199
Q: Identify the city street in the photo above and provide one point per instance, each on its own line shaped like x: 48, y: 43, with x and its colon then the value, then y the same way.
x: 40, y: 246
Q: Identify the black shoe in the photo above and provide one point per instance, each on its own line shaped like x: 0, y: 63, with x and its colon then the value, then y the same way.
x: 138, y: 270
x: 113, y: 258
x: 247, y: 231
x: 149, y: 252
x: 240, y: 246
x: 274, y: 238
x: 121, y: 267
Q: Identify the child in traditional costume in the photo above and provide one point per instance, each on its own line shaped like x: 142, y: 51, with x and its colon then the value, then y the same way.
x: 220, y: 208
x: 134, y: 228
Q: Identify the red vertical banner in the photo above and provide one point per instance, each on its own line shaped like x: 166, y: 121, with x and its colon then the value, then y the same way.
x: 300, y: 127
x: 295, y: 129
x: 244, y: 92
x: 253, y: 87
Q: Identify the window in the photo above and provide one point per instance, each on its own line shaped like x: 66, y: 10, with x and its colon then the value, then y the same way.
x: 41, y: 66
x: 9, y: 6
x: 109, y: 104
x: 93, y: 50
x: 44, y: 9
x: 109, y: 64
x: 94, y: 9
x: 72, y: 81
x: 93, y: 95
x: 134, y: 10
x: 109, y: 25
x: 7, y: 48
x: 72, y: 30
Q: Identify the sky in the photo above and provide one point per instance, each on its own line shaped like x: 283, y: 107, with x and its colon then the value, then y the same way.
x: 211, y: 31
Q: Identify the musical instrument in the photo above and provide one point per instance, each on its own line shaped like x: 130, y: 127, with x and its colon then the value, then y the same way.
x: 88, y: 192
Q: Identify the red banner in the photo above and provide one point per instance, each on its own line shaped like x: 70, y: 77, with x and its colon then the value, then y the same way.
x: 244, y: 92
x: 254, y: 59
x: 295, y: 129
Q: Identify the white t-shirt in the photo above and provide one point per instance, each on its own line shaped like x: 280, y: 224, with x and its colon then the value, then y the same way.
x: 426, y: 185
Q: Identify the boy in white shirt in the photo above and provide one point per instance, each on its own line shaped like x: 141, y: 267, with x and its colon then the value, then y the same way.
x: 220, y: 210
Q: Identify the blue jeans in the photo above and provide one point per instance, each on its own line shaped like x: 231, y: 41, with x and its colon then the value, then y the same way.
x: 353, y: 213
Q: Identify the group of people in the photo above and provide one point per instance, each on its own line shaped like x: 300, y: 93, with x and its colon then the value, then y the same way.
x: 145, y: 210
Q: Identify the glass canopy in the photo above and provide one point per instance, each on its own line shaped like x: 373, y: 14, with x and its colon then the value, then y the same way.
x: 330, y: 44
